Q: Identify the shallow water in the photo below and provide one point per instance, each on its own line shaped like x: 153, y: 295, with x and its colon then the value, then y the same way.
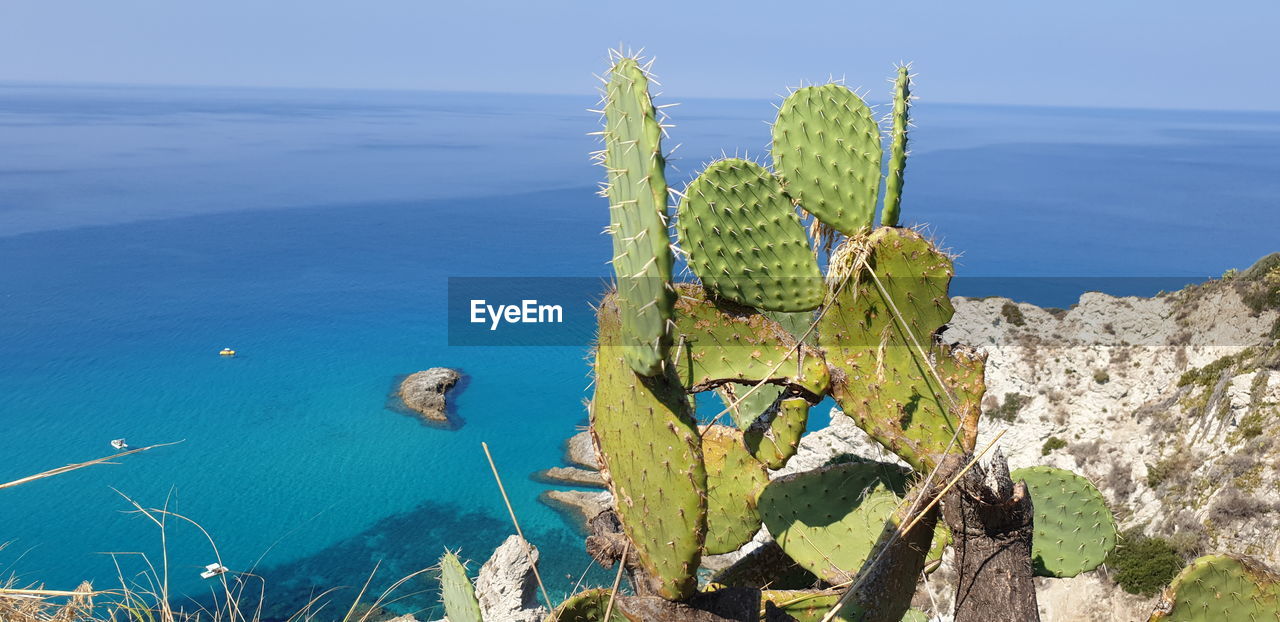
x: 141, y: 230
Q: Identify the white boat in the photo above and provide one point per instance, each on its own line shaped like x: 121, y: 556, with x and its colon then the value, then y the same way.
x: 119, y: 444
x: 213, y: 570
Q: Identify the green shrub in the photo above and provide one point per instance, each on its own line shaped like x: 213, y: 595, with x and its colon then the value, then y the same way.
x: 1053, y: 444
x: 1101, y: 376
x: 1008, y: 409
x: 1142, y: 565
x: 1012, y: 314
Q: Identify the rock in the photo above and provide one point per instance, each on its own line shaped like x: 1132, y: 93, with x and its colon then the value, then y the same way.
x: 507, y: 586
x: 577, y: 505
x: 571, y: 475
x: 424, y: 391
x: 580, y: 450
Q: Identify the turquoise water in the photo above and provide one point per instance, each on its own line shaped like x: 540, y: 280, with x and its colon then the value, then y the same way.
x: 143, y: 229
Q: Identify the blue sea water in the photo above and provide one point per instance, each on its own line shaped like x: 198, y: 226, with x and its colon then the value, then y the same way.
x: 142, y: 229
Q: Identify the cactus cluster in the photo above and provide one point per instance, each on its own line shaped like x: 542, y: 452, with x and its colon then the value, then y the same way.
x: 774, y: 336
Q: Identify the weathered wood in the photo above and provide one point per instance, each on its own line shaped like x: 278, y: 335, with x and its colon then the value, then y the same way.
x: 991, y: 519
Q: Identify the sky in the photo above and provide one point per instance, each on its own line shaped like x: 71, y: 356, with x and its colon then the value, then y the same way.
x: 1219, y: 55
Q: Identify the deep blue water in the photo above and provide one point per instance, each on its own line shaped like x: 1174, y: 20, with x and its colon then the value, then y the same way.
x: 314, y: 231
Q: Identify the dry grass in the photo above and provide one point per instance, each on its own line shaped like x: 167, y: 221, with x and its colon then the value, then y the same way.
x: 237, y: 597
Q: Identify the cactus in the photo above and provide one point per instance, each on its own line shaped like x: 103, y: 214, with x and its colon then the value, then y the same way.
x: 879, y: 376
x: 774, y: 437
x: 456, y: 591
x: 746, y: 403
x: 829, y: 519
x: 803, y: 605
x: 637, y: 192
x: 734, y: 480
x: 648, y: 440
x: 586, y: 606
x: 826, y: 147
x: 897, y: 148
x: 745, y: 241
x: 1074, y: 530
x: 1221, y: 587
x: 720, y: 342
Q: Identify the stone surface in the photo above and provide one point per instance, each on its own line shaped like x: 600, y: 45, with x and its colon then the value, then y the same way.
x: 424, y: 392
x: 572, y: 476
x: 507, y: 587
x: 580, y: 450
x: 578, y: 506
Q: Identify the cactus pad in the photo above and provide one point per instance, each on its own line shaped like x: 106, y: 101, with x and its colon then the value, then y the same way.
x: 648, y: 441
x: 829, y: 519
x: 746, y: 402
x: 803, y: 605
x: 774, y: 437
x: 878, y: 374
x: 456, y: 591
x: 637, y: 192
x: 826, y: 147
x: 745, y: 241
x: 586, y: 606
x: 720, y: 342
x: 734, y: 480
x: 897, y: 148
x: 1221, y: 587
x: 1074, y: 530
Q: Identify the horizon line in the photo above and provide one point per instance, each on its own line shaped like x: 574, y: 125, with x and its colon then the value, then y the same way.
x: 380, y: 89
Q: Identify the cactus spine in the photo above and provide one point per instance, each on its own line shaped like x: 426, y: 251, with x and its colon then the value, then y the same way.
x: 897, y: 148
x: 637, y: 192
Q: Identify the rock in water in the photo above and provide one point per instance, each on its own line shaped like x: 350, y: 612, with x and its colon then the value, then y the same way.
x: 424, y: 391
x: 506, y: 585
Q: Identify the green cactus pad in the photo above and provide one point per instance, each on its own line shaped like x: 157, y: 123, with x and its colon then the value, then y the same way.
x: 649, y: 443
x: 456, y: 591
x: 720, y: 342
x: 897, y: 149
x: 745, y: 241
x: 586, y: 606
x: 734, y: 481
x: 774, y: 437
x: 803, y: 605
x: 1220, y: 588
x: 746, y: 403
x: 878, y: 376
x: 637, y: 192
x: 826, y: 147
x: 1074, y: 530
x: 829, y: 519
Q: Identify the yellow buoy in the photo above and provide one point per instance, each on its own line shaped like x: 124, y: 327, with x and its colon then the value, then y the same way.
x: 227, y: 352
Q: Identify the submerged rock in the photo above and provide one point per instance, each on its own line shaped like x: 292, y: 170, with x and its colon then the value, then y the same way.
x: 424, y: 391
x: 506, y: 585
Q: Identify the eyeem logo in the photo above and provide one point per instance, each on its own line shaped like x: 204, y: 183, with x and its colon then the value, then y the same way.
x: 527, y: 312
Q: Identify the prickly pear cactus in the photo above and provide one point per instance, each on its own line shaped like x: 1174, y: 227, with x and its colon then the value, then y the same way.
x: 1074, y: 530
x: 586, y: 606
x: 803, y: 605
x: 648, y: 440
x: 873, y: 345
x: 745, y: 241
x: 746, y: 402
x: 826, y: 147
x: 720, y: 342
x: 774, y: 437
x: 897, y: 149
x: 637, y: 192
x: 734, y: 480
x: 829, y: 519
x: 457, y: 592
x: 1221, y: 588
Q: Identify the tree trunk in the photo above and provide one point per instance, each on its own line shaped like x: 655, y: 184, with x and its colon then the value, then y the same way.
x: 990, y: 518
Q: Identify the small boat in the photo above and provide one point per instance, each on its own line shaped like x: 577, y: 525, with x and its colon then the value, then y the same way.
x: 213, y: 570
x: 119, y: 444
x: 227, y: 352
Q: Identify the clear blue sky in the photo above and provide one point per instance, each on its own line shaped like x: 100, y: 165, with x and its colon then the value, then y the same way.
x: 1125, y: 53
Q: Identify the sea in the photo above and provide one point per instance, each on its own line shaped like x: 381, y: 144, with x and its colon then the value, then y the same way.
x: 316, y: 232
